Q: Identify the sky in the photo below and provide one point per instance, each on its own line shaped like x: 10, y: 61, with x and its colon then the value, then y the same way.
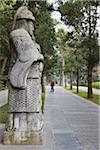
x: 56, y: 15
x: 51, y: 1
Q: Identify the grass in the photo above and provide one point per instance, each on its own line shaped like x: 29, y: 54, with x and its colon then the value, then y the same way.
x: 2, y: 87
x: 83, y: 94
x: 96, y: 85
x: 4, y: 114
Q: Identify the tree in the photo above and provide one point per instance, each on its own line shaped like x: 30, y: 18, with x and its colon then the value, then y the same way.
x: 61, y: 47
x: 45, y: 36
x: 82, y: 15
x: 44, y: 28
x: 69, y: 48
x: 6, y: 18
x: 63, y: 52
x: 90, y: 42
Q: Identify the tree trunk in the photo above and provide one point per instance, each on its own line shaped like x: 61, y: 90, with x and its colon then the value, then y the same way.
x: 77, y: 80
x: 71, y: 81
x: 90, y: 92
x: 63, y: 64
x: 62, y: 81
x: 65, y: 80
x: 62, y: 74
x: 60, y: 78
x: 43, y: 82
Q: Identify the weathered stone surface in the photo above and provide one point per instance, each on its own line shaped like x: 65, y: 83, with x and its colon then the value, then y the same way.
x: 2, y: 129
x: 27, y: 54
x: 28, y: 100
x: 23, y: 137
x: 24, y: 13
x: 24, y: 97
x: 26, y: 121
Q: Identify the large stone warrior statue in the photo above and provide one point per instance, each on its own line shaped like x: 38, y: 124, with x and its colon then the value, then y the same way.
x: 26, y: 120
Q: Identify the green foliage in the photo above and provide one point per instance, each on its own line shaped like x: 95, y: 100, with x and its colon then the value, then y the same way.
x: 91, y: 50
x: 82, y: 15
x: 2, y: 87
x: 69, y: 47
x: 96, y: 85
x: 4, y: 114
x: 45, y: 35
x: 71, y: 13
x: 44, y: 30
x: 6, y: 18
x: 94, y: 99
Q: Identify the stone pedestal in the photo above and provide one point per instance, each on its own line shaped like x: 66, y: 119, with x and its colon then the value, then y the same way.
x: 23, y: 138
x: 25, y: 128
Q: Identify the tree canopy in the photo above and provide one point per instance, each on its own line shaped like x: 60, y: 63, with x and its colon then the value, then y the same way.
x: 44, y: 30
x: 82, y: 15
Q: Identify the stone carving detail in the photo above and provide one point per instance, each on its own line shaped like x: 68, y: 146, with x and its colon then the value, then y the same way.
x: 24, y: 82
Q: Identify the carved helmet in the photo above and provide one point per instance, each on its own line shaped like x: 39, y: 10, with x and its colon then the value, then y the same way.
x: 24, y: 13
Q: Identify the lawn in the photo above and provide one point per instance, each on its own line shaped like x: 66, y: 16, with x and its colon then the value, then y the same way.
x: 4, y: 114
x: 96, y: 85
x: 95, y: 99
x: 2, y: 87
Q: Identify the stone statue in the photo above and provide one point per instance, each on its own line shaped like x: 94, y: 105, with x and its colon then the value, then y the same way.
x: 26, y: 120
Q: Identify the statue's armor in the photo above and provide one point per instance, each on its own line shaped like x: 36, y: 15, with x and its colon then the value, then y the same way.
x: 28, y: 99
x: 25, y: 76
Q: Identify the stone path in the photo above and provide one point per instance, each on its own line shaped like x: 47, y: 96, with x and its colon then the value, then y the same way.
x: 74, y: 121
x: 71, y: 123
x: 3, y: 97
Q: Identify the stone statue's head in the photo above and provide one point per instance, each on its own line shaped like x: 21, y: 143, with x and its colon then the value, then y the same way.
x: 24, y: 19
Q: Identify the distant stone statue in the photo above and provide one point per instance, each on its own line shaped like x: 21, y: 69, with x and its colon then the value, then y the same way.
x: 26, y: 120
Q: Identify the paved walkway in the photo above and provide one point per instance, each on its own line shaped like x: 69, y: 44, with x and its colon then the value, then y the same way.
x: 84, y: 88
x: 3, y: 97
x: 71, y: 123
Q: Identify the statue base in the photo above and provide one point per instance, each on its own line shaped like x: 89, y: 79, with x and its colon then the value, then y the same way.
x: 23, y: 137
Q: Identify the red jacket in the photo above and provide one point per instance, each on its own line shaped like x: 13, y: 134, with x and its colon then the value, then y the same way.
x: 52, y: 83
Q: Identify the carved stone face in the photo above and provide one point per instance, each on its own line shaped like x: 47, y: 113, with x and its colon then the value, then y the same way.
x: 27, y: 25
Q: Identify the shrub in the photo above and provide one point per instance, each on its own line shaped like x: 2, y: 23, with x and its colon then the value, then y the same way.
x: 96, y: 85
